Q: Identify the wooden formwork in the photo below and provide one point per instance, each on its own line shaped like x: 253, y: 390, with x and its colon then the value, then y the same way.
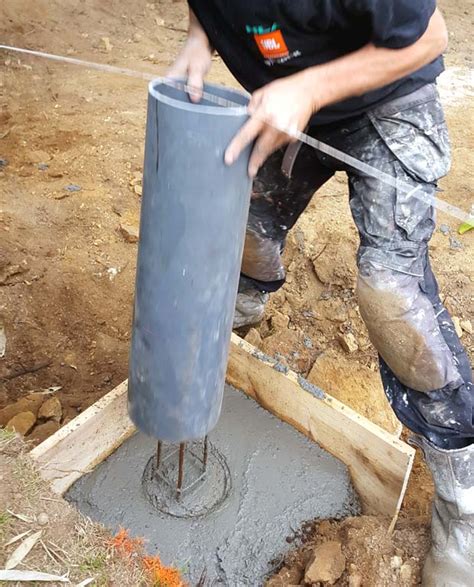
x: 379, y: 462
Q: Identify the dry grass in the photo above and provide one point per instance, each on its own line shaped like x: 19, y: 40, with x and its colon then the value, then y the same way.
x: 70, y: 543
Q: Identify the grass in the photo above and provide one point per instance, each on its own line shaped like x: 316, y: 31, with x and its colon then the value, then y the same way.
x: 27, y: 476
x: 4, y: 522
x: 6, y: 436
x: 94, y: 563
x: 4, y: 519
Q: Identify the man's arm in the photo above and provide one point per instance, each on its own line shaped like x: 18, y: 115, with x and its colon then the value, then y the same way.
x: 194, y: 60
x: 290, y: 102
x: 373, y: 67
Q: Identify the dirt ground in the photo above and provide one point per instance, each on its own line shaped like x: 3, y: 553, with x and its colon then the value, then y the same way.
x: 71, y: 150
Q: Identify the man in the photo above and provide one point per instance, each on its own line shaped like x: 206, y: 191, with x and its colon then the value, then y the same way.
x: 359, y: 75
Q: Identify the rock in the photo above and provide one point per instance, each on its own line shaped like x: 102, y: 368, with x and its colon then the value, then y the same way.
x: 444, y: 229
x: 22, y: 423
x: 136, y: 37
x: 396, y: 562
x: 43, y: 431
x: 457, y: 326
x: 466, y: 325
x: 355, y: 580
x: 30, y: 403
x: 406, y: 572
x: 286, y: 577
x: 279, y: 321
x: 12, y: 271
x: 51, y: 410
x: 348, y: 342
x: 42, y: 519
x: 3, y: 341
x: 454, y: 243
x: 72, y: 187
x: 106, y: 45
x: 331, y: 309
x: 138, y: 189
x: 336, y: 264
x: 327, y: 563
x: 253, y: 337
x: 38, y: 156
x: 136, y: 178
x: 130, y: 233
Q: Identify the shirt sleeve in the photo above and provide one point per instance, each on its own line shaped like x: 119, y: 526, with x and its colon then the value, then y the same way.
x: 393, y: 24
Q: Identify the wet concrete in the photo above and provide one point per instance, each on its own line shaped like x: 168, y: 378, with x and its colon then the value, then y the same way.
x: 278, y: 479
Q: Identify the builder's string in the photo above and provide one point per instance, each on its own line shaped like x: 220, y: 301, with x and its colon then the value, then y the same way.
x: 300, y: 136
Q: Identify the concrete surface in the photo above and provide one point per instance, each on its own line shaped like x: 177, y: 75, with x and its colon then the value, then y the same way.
x: 278, y: 478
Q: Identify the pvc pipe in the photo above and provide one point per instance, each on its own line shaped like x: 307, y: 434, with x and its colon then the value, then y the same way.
x: 193, y: 218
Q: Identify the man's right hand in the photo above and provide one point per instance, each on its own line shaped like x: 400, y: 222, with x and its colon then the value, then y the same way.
x: 194, y: 60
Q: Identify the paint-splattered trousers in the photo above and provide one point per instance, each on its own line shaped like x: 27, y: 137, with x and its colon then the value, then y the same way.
x: 425, y: 371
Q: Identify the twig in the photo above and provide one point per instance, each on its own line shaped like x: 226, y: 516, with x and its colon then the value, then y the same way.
x: 50, y: 553
x: 26, y: 370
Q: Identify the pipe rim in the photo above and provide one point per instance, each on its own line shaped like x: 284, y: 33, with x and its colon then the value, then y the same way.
x: 199, y: 108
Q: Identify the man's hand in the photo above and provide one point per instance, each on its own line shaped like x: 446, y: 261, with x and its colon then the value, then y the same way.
x: 194, y: 61
x: 286, y: 104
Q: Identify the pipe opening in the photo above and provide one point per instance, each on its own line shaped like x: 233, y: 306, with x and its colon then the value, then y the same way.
x: 178, y: 98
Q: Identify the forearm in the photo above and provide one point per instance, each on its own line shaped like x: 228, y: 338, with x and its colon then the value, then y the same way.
x: 372, y: 67
x: 195, y: 30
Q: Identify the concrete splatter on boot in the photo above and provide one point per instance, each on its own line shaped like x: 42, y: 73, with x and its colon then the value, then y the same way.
x: 250, y: 304
x: 450, y: 562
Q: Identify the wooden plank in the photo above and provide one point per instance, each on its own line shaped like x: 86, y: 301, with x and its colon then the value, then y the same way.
x: 83, y: 443
x: 379, y: 463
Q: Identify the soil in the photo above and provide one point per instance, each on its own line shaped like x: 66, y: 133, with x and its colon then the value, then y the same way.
x: 71, y: 144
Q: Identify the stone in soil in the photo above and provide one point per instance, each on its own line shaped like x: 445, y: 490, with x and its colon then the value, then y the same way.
x: 30, y: 403
x: 253, y: 337
x: 51, y: 410
x: 129, y: 233
x: 466, y: 325
x: 348, y: 342
x: 43, y: 431
x: 327, y: 563
x: 22, y: 423
x: 457, y: 326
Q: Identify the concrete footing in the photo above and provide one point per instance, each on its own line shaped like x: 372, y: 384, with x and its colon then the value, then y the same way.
x: 276, y: 479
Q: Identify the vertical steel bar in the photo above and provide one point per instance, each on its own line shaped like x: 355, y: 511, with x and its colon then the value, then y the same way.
x: 179, y: 486
x: 204, y: 456
x: 158, y: 455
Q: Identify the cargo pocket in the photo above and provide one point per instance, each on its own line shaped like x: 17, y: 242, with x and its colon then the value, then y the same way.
x: 417, y: 136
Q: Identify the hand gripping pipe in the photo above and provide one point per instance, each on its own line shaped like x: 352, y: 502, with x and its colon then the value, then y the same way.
x: 192, y: 227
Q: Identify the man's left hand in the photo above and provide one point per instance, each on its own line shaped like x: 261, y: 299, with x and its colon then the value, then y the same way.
x: 283, y: 105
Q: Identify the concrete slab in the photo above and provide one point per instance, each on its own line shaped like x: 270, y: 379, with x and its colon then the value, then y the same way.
x: 276, y: 479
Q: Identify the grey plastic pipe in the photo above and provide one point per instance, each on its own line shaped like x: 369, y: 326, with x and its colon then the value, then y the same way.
x: 193, y: 218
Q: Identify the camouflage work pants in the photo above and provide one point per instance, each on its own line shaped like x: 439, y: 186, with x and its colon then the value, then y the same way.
x: 425, y: 371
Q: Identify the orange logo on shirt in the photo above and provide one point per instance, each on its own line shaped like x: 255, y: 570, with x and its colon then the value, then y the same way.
x: 271, y: 45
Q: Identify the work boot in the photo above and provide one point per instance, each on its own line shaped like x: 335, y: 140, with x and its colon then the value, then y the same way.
x: 250, y: 304
x: 450, y: 562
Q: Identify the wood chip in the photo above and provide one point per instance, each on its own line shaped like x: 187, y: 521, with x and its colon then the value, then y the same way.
x: 17, y: 537
x: 8, y: 575
x: 21, y: 552
x: 21, y: 517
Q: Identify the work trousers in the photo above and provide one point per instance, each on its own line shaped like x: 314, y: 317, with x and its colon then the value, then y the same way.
x: 425, y: 370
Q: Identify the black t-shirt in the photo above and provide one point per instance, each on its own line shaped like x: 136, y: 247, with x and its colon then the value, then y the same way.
x: 261, y: 40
